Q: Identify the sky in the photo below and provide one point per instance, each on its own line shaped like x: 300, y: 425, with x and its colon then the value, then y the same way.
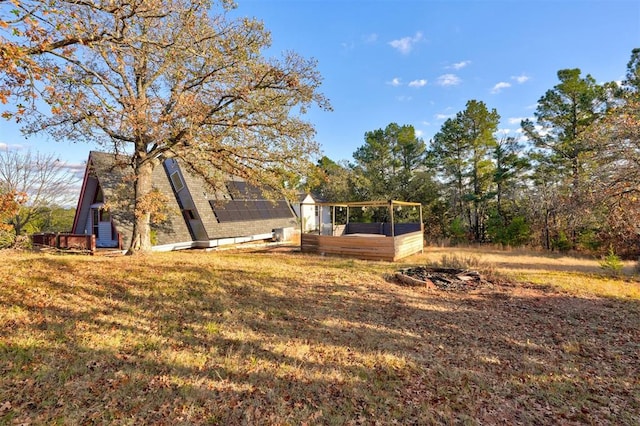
x: 419, y: 62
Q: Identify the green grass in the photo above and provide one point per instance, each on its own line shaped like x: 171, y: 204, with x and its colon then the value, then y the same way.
x: 283, y: 338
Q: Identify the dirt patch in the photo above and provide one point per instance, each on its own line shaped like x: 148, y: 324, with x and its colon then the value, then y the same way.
x: 447, y: 279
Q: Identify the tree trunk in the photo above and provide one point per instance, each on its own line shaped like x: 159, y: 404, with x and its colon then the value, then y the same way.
x: 547, y: 237
x: 141, y: 237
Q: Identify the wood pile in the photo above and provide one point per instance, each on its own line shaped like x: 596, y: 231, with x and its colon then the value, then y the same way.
x: 447, y: 279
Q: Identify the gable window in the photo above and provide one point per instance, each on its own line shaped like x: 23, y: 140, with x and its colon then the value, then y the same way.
x: 176, y: 181
x: 99, y: 196
x: 189, y: 214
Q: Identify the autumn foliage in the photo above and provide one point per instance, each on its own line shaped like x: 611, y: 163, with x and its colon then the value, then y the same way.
x: 10, y: 203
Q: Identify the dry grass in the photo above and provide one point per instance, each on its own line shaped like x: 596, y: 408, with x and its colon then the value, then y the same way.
x: 284, y: 338
x: 577, y: 275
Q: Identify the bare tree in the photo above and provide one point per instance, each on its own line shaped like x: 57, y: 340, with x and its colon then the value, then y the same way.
x: 42, y: 180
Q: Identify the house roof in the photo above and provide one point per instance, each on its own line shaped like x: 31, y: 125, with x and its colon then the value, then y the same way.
x: 114, y: 175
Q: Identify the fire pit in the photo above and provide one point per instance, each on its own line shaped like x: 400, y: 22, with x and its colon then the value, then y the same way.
x: 448, y: 279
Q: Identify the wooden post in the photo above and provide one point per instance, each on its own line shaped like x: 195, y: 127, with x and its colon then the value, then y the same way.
x: 393, y: 232
x: 333, y: 220
x: 346, y: 226
x: 301, y: 218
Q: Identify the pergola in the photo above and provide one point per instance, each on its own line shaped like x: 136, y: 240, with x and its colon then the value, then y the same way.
x: 391, y: 205
x: 373, y: 240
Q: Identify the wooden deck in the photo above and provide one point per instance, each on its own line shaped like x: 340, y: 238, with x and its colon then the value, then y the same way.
x: 364, y: 246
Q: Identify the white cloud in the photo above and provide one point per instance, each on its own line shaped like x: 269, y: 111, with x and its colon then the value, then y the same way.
x: 404, y: 98
x: 419, y: 133
x: 76, y: 167
x: 418, y: 83
x: 520, y: 78
x: 348, y: 46
x: 395, y: 82
x: 405, y: 44
x: 541, y: 130
x: 503, y: 131
x: 516, y: 120
x: 443, y: 116
x: 370, y: 38
x: 449, y: 80
x: 460, y: 65
x: 6, y: 146
x: 499, y: 86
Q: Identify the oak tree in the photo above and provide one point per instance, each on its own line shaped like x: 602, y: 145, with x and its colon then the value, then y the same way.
x: 29, y: 29
x: 182, y: 79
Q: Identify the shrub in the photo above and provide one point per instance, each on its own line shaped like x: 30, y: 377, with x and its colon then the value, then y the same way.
x: 589, y: 240
x: 515, y: 233
x: 457, y: 230
x: 561, y: 242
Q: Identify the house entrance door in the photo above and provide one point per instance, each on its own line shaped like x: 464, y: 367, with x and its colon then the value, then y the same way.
x: 102, y: 228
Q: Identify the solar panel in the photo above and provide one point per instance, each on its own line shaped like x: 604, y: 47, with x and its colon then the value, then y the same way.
x: 248, y: 204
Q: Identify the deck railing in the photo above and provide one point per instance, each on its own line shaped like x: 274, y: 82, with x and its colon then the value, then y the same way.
x: 64, y: 241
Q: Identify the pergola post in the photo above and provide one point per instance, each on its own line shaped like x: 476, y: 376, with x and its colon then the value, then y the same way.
x: 333, y: 219
x: 393, y: 232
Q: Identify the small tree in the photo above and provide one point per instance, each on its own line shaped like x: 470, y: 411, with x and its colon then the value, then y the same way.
x: 10, y: 203
x: 612, y: 263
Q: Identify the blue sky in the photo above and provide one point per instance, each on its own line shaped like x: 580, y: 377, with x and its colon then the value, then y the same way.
x: 419, y: 62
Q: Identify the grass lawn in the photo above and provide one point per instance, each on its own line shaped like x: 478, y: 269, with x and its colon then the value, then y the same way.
x: 276, y: 338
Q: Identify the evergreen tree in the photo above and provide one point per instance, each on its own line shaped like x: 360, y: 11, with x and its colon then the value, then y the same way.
x: 462, y: 154
x: 563, y: 116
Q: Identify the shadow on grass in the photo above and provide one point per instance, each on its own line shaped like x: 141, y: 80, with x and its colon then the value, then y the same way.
x: 318, y: 341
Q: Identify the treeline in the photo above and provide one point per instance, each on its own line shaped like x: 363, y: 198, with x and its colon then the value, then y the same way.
x: 572, y: 182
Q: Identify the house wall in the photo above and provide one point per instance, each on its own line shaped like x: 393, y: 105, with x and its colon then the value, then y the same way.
x: 305, y: 210
x: 82, y: 225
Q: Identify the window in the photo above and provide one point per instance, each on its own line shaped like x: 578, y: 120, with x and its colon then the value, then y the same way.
x: 189, y: 214
x: 99, y: 196
x: 176, y: 181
